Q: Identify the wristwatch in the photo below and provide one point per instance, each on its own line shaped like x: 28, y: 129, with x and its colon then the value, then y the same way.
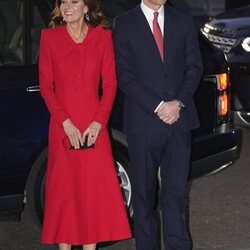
x: 180, y: 104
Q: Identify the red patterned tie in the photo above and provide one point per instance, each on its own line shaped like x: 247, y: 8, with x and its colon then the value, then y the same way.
x: 157, y: 34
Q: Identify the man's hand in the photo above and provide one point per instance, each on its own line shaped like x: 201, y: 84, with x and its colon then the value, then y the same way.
x: 169, y: 112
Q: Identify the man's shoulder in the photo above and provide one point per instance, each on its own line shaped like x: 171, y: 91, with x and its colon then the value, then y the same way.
x: 179, y: 10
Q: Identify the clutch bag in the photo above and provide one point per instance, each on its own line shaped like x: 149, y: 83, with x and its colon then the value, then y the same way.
x: 67, y: 144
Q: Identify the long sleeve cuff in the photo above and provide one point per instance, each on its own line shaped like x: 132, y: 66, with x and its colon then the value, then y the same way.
x: 155, y: 111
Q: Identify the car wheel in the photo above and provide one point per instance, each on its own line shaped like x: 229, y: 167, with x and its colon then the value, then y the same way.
x: 121, y: 164
x: 125, y: 184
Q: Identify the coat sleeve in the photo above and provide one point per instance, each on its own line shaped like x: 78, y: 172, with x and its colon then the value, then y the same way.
x: 46, y: 81
x: 127, y: 82
x: 109, y: 82
x: 193, y: 67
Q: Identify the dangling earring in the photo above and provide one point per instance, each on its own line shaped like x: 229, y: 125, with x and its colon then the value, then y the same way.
x: 86, y: 15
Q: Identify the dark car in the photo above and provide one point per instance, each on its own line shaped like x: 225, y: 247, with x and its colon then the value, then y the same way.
x: 230, y: 32
x: 24, y: 117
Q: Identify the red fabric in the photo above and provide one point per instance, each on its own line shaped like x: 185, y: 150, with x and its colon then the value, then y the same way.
x: 158, y: 34
x: 83, y: 202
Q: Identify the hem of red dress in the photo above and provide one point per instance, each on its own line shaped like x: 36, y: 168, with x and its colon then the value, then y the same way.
x: 111, y: 239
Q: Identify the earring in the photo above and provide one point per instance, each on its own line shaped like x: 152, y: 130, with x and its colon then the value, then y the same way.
x: 86, y: 15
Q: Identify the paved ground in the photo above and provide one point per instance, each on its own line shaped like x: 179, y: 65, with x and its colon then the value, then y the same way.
x: 219, y: 213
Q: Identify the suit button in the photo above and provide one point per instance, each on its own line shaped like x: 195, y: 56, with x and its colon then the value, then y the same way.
x: 166, y: 75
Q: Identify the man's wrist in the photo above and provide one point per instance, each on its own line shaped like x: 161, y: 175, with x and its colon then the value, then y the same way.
x: 181, y: 105
x: 157, y: 108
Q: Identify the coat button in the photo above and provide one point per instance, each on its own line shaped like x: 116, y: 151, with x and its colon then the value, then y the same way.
x: 166, y: 75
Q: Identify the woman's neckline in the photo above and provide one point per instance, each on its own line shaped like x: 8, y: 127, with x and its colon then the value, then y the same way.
x: 72, y: 40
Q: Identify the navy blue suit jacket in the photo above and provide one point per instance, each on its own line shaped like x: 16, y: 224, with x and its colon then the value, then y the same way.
x: 146, y: 80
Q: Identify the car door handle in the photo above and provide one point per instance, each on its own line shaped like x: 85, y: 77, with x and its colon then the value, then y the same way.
x: 33, y: 89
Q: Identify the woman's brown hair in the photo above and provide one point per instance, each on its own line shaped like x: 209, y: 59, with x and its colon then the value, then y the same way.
x: 96, y: 16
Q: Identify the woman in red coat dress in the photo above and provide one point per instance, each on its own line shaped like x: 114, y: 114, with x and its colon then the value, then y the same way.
x: 83, y: 202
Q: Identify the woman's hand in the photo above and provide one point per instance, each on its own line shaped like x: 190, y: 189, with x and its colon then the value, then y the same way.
x: 73, y: 134
x: 92, y: 131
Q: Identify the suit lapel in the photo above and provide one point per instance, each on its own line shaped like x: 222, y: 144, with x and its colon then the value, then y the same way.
x: 145, y: 31
x: 168, y: 29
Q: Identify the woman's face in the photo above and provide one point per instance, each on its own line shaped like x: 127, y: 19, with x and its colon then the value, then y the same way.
x: 73, y: 10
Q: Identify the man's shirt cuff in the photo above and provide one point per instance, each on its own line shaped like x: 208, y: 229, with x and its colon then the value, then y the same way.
x: 158, y: 106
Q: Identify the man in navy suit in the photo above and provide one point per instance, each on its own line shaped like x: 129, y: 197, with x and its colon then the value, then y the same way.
x: 158, y: 68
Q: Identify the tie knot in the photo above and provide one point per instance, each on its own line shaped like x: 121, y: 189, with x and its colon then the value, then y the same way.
x: 156, y: 15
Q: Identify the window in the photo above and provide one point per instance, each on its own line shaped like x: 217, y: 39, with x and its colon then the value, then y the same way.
x: 12, y: 32
x: 36, y: 23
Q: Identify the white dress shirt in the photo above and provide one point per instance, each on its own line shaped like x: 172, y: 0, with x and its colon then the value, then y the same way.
x: 149, y: 14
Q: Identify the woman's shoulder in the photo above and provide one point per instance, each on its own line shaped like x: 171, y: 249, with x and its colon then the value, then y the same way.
x: 101, y: 30
x: 99, y: 35
x: 52, y: 32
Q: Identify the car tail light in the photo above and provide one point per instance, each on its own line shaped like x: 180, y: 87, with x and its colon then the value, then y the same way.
x: 223, y: 101
x: 223, y: 81
x: 223, y: 105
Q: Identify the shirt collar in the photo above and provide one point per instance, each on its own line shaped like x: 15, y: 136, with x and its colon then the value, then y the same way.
x: 149, y: 12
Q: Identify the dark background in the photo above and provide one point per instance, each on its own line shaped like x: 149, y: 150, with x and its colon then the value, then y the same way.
x: 230, y: 4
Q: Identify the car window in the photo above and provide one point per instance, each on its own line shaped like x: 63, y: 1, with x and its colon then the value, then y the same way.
x: 36, y: 24
x: 12, y: 32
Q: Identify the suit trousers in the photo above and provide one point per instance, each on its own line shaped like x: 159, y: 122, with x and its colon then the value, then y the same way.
x: 172, y: 154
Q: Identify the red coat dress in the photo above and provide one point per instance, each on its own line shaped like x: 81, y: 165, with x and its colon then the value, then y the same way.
x: 83, y: 202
